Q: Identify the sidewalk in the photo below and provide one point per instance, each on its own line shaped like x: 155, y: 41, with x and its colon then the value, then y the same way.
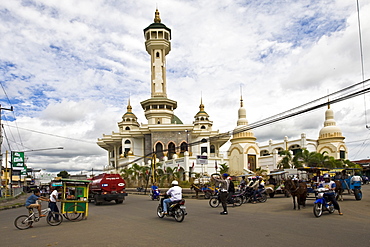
x: 9, y: 203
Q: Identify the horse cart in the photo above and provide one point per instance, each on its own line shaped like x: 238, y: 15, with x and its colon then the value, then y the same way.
x: 345, y: 177
x: 314, y: 175
x: 275, y: 183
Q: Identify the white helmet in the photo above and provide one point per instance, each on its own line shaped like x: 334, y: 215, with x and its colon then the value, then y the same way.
x: 174, y: 182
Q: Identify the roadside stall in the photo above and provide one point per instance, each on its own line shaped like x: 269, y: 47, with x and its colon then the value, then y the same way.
x: 74, y: 198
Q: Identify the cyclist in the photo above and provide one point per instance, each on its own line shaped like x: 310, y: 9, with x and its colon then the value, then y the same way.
x: 31, y: 201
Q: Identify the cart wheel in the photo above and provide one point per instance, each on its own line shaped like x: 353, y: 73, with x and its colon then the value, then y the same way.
x: 72, y: 213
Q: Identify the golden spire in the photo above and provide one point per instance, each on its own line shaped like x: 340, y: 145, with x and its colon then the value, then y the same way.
x: 201, y: 107
x: 129, y: 108
x: 157, y: 19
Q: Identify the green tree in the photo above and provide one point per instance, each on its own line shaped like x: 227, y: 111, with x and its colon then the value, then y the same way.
x: 286, y: 161
x: 304, y: 158
x: 63, y: 174
x: 224, y: 168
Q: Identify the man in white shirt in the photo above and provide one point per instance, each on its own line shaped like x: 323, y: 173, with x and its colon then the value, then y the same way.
x: 356, y: 178
x: 53, y: 200
x: 175, y: 193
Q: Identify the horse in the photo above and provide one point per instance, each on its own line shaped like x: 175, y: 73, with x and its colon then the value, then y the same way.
x: 338, y: 190
x: 297, y: 189
x: 196, y: 188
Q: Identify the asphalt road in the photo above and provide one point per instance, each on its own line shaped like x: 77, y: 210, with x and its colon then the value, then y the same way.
x: 135, y: 223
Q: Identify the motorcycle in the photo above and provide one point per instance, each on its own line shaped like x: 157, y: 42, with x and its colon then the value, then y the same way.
x: 177, y: 210
x: 247, y: 195
x: 322, y: 203
x: 155, y: 195
x: 215, y: 200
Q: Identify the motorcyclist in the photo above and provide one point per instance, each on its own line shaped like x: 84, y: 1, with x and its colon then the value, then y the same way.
x: 330, y: 185
x: 153, y: 189
x: 356, y: 178
x: 242, y: 184
x: 258, y: 187
x: 175, y: 193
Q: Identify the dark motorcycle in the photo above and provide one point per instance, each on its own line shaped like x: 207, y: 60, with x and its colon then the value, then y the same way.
x: 322, y: 203
x: 247, y: 196
x: 215, y: 201
x: 176, y: 209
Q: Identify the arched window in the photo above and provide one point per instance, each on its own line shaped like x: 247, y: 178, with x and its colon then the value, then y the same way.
x: 183, y: 147
x: 127, y: 128
x: 127, y: 147
x: 159, y: 150
x: 203, y: 127
x: 171, y: 150
x: 212, y: 149
x: 157, y: 54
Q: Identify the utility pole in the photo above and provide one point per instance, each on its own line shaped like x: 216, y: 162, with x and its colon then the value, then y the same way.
x: 1, y: 143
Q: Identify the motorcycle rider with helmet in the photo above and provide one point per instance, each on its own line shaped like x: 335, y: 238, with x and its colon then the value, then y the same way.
x: 175, y: 193
x: 329, y: 184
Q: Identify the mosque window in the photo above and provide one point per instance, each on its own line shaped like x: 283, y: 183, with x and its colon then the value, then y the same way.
x: 212, y: 149
x: 183, y: 147
x: 127, y: 142
x: 161, y: 106
x: 120, y: 150
x: 166, y: 36
x: 157, y: 54
x: 160, y: 35
x: 265, y: 153
x: 203, y: 150
x: 203, y: 127
x: 147, y: 36
x: 202, y: 118
x: 127, y: 128
x: 159, y: 150
x: 342, y: 154
x: 171, y: 150
x: 154, y: 35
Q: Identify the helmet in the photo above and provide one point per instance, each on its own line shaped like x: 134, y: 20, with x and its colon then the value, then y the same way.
x: 326, y: 176
x: 174, y: 182
x: 254, y: 178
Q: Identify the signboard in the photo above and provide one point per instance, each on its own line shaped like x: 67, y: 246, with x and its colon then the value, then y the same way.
x: 202, y: 159
x: 17, y: 159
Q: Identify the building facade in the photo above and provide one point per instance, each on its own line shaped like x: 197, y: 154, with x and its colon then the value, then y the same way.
x: 176, y: 144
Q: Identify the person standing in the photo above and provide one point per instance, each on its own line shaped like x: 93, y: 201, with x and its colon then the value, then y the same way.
x: 224, y: 186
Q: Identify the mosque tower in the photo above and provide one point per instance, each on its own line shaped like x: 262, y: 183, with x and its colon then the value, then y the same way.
x: 158, y: 109
x: 331, y: 139
x: 243, y: 152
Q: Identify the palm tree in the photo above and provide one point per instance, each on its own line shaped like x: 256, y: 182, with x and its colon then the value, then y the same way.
x: 126, y: 173
x: 304, y: 158
x: 321, y: 159
x: 286, y: 161
x: 224, y: 168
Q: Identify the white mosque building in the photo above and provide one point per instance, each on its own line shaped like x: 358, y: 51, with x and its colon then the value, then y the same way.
x: 196, y: 147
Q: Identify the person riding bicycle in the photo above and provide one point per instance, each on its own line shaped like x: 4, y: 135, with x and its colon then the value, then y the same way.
x: 31, y: 201
x: 330, y: 185
x: 175, y: 193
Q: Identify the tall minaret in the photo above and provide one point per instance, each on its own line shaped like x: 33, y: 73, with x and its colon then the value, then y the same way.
x: 158, y: 109
x: 243, y: 152
x: 158, y: 45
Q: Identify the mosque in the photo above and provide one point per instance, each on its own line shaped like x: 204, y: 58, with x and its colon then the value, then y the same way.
x: 195, y: 148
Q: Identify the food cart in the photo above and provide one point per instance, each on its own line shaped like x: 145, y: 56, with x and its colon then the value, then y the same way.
x: 74, y: 198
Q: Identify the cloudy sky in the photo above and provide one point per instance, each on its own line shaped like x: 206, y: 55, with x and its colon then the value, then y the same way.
x: 69, y: 67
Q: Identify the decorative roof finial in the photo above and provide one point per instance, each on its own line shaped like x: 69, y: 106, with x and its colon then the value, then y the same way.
x: 157, y: 19
x: 241, y: 95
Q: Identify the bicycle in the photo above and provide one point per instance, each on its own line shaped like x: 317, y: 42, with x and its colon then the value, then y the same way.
x: 23, y: 222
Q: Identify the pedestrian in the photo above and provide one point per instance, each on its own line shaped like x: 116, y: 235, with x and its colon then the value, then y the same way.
x: 224, y: 186
x: 53, y: 200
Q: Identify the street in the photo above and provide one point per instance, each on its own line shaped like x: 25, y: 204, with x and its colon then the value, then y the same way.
x: 135, y: 223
